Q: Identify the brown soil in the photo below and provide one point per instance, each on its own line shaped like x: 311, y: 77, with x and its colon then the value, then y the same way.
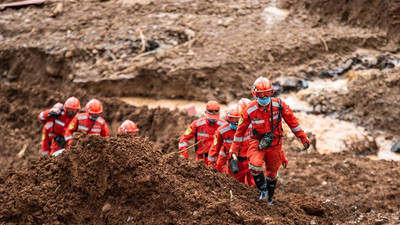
x: 195, y: 50
x: 125, y: 179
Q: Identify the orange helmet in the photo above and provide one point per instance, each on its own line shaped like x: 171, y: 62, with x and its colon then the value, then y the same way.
x: 212, y: 110
x: 72, y: 104
x: 244, y: 102
x: 233, y: 114
x: 128, y: 127
x: 94, y: 108
x: 262, y: 87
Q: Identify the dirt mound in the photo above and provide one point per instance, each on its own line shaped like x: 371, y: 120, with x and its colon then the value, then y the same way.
x: 374, y: 99
x: 125, y: 179
x: 355, y: 188
x: 34, y: 66
x: 20, y: 130
x: 365, y: 13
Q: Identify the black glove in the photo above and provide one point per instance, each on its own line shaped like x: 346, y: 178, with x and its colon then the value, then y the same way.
x: 233, y: 165
x: 266, y: 141
x: 61, y: 141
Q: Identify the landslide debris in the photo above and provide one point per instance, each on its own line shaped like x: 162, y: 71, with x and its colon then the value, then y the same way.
x: 126, y: 179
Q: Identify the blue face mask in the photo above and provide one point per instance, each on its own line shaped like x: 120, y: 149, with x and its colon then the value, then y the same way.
x: 264, y: 101
x: 212, y: 120
x: 234, y: 127
x: 93, y: 118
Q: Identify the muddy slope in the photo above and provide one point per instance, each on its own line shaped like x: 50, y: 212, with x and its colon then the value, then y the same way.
x: 201, y: 46
x: 123, y: 179
x: 384, y: 15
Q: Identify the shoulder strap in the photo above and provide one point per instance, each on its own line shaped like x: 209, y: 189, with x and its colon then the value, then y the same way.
x: 94, y: 121
x: 279, y: 116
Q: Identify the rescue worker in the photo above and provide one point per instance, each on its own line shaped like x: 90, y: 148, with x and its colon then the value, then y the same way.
x: 213, y: 155
x: 89, y: 122
x: 222, y: 143
x: 59, y: 116
x: 128, y: 127
x: 265, y: 115
x: 202, y: 130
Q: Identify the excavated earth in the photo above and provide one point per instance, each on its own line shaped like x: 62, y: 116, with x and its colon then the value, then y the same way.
x: 193, y: 50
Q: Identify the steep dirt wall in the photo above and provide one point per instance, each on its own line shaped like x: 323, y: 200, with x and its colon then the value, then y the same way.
x: 384, y: 15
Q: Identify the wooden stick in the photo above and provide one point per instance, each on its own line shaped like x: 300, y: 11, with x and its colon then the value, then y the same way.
x: 143, y: 41
x: 191, y: 146
x: 325, y: 44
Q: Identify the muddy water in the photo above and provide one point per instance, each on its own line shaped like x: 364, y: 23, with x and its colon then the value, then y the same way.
x: 183, y: 105
x: 332, y: 134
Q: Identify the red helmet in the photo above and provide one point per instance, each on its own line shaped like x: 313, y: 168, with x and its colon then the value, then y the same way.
x: 94, y: 107
x: 233, y: 114
x: 262, y: 87
x: 128, y: 127
x: 212, y: 110
x: 244, y: 102
x: 72, y: 104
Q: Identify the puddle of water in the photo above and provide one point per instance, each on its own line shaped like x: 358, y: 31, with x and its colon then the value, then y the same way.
x: 385, y: 149
x: 172, y: 104
x: 296, y: 104
x: 331, y: 134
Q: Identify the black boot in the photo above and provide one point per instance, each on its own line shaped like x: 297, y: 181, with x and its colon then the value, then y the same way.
x: 259, y: 179
x: 271, y: 185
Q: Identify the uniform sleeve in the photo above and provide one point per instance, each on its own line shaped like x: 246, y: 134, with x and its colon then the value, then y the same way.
x: 291, y: 120
x: 222, y: 158
x: 105, y: 132
x: 43, y: 116
x: 70, y: 131
x: 45, y: 142
x: 214, y: 151
x: 244, y: 123
x: 189, y: 134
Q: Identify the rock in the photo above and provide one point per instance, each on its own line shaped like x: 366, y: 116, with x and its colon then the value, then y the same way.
x: 58, y: 9
x: 312, y: 222
x: 68, y: 54
x: 130, y: 218
x: 190, y: 33
x: 270, y: 57
x: 51, y: 70
x: 304, y: 84
x: 396, y: 147
x: 106, y: 208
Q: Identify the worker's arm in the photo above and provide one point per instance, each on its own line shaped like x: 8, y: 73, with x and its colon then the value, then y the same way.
x: 183, y: 143
x: 72, y: 127
x: 240, y: 134
x: 215, y: 149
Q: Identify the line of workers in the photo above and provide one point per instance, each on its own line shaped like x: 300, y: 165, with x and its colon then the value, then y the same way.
x: 62, y: 120
x: 249, y: 145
